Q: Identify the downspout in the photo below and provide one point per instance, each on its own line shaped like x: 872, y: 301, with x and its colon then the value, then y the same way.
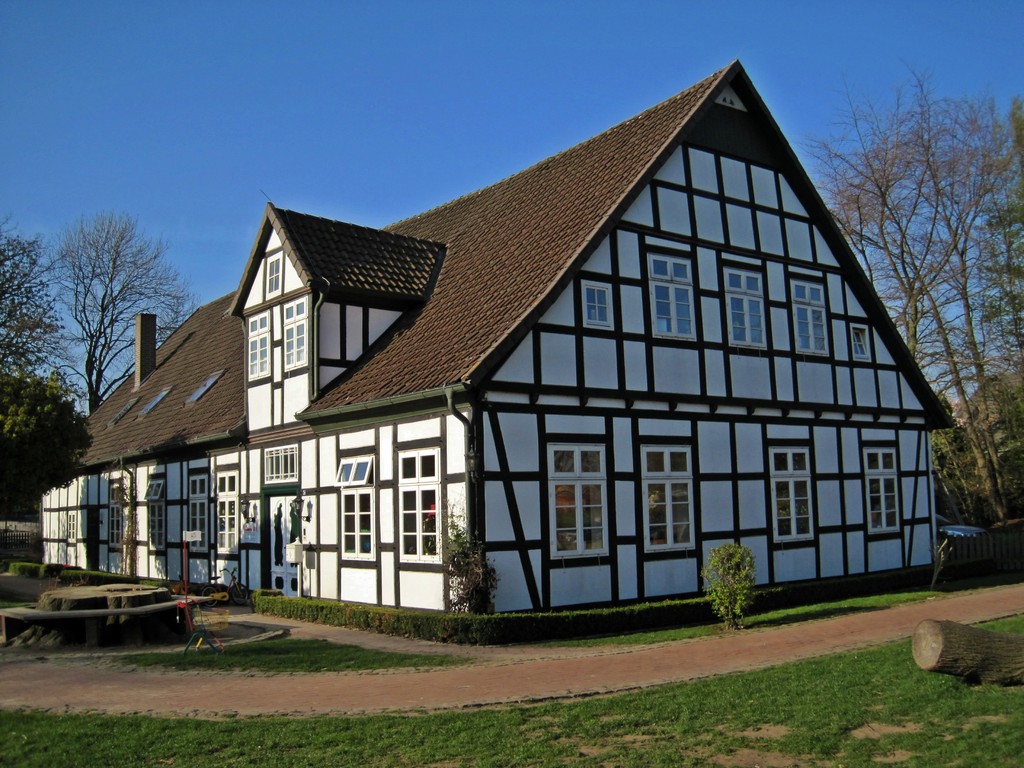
x: 472, y: 460
x: 314, y: 372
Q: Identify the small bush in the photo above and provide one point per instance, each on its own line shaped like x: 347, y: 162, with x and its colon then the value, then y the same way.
x: 729, y: 582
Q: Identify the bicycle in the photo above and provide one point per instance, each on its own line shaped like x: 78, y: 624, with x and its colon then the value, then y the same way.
x: 234, y: 590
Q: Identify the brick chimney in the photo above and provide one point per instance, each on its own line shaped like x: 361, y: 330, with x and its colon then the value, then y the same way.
x: 145, y: 346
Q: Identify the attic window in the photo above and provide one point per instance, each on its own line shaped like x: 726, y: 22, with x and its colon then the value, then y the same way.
x: 155, y: 401
x: 356, y: 471
x: 728, y: 98
x: 273, y: 276
x: 205, y: 386
x: 121, y: 414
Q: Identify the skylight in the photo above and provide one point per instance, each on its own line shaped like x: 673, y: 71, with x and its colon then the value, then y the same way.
x: 155, y: 401
x: 124, y: 409
x: 205, y: 386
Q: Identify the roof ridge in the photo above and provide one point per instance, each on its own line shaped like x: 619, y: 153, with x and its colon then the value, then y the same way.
x: 558, y: 156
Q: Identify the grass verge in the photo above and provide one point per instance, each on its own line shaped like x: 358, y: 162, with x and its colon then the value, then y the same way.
x: 852, y: 709
x: 284, y: 655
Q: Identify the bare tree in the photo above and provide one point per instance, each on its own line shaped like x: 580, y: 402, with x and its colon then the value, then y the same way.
x: 28, y: 326
x: 915, y: 186
x: 106, y: 272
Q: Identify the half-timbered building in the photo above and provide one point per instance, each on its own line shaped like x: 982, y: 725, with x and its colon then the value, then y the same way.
x: 604, y: 366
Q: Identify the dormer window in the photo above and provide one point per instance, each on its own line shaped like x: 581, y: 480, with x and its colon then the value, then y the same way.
x: 295, y: 334
x: 273, y: 275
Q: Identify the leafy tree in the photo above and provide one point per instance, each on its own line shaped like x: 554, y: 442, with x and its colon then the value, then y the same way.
x: 729, y: 577
x: 27, y: 323
x: 42, y: 438
x: 923, y: 189
x: 107, y: 272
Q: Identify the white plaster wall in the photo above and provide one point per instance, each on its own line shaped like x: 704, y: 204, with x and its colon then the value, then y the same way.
x: 676, y: 371
x: 629, y: 254
x: 330, y: 331
x: 831, y: 558
x: 751, y: 377
x: 885, y: 554
x: 558, y: 359
x: 751, y: 504
x: 422, y: 590
x: 759, y: 546
x: 625, y: 507
x: 815, y: 382
x: 291, y: 280
x: 296, y: 396
x: 795, y: 564
x: 422, y: 429
x: 379, y: 321
x: 600, y: 367
x: 519, y: 365
x: 571, y: 586
x: 716, y: 506
x: 387, y: 578
x: 855, y: 552
x: 714, y: 442
x: 359, y: 585
x: 353, y: 332
x: 636, y: 365
x: 512, y: 593
x: 328, y: 582
x: 669, y: 577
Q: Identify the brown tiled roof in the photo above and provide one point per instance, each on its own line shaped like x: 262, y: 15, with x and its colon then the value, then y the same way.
x: 507, y: 247
x: 210, y: 340
x: 357, y: 259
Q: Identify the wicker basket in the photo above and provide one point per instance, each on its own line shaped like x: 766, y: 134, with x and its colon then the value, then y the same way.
x: 213, y: 619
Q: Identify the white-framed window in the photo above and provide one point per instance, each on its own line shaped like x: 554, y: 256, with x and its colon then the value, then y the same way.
x: 667, y: 478
x: 791, y: 493
x: 809, y: 318
x: 859, y: 342
x: 357, y: 522
x: 273, y: 275
x: 419, y: 493
x: 356, y: 471
x: 198, y: 509
x: 156, y: 513
x: 577, y: 485
x: 671, y: 296
x: 281, y: 465
x: 744, y: 300
x: 115, y: 518
x: 259, y: 345
x: 227, y: 512
x: 881, y: 479
x: 156, y: 516
x: 597, y: 304
x: 72, y: 531
x: 295, y: 334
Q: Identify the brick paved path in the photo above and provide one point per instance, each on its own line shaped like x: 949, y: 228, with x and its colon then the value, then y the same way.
x: 72, y: 682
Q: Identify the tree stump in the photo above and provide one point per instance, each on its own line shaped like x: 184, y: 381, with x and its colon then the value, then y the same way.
x: 110, y: 630
x: 976, y: 655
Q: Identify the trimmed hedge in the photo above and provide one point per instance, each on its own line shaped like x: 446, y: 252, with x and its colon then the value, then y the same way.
x: 506, y: 628
x: 69, y: 574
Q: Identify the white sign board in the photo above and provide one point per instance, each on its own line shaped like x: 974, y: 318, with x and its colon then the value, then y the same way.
x: 192, y: 536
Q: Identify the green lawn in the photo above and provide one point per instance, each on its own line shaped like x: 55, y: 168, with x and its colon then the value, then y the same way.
x: 287, y: 656
x: 860, y: 708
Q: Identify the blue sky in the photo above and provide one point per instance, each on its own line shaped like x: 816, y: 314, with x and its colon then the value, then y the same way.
x: 190, y: 114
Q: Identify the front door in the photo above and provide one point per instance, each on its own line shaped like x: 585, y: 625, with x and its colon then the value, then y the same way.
x: 284, y: 529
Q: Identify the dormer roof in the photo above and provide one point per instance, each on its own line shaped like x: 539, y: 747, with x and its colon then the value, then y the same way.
x: 346, y: 261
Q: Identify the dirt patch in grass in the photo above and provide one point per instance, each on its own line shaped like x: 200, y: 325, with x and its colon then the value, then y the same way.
x: 764, y: 731
x: 758, y: 758
x: 878, y: 730
x: 893, y: 758
x: 973, y: 721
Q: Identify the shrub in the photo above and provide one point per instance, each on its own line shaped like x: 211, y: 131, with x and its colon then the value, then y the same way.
x: 729, y: 582
x: 472, y: 578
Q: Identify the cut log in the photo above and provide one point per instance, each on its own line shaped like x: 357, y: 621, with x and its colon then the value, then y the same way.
x: 976, y: 655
